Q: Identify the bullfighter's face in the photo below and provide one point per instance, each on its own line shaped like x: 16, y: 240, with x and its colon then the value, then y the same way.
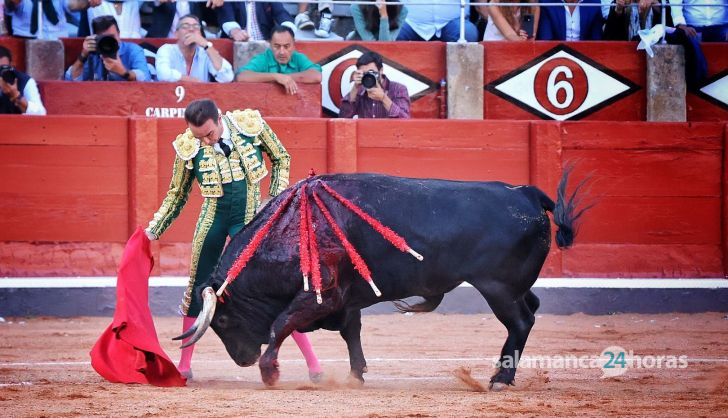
x: 209, y: 132
x: 240, y: 343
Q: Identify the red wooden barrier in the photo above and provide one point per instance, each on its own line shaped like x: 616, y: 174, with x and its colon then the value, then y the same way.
x: 17, y: 50
x: 702, y: 107
x: 462, y: 150
x: 165, y: 100
x: 659, y: 197
x: 73, y: 195
x: 572, y: 80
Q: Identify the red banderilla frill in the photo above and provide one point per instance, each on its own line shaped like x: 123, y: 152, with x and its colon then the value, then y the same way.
x: 307, y: 239
x: 356, y: 259
x: 249, y: 250
x: 303, y: 231
x: 313, y: 251
x: 387, y: 233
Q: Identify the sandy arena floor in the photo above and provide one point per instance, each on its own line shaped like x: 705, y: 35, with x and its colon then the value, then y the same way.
x: 45, y: 371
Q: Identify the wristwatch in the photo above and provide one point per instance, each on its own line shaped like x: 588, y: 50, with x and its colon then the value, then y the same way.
x: 126, y: 75
x: 207, y: 45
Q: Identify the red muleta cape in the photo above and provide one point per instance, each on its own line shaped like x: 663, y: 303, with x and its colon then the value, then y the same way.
x: 128, y: 351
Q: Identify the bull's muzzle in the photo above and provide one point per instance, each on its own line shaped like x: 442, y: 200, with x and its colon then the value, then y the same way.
x: 197, y: 330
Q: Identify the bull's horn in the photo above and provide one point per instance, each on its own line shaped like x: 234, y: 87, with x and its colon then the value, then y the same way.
x: 209, y: 302
x: 191, y: 330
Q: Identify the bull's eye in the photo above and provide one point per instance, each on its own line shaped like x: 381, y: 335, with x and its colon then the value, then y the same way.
x: 222, y: 321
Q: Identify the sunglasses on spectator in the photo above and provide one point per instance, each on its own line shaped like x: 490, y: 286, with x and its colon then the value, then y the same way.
x: 189, y: 26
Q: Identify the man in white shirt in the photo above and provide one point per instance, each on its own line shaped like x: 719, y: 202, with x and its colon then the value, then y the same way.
x: 125, y: 12
x: 436, y: 22
x: 24, y: 18
x: 711, y: 22
x: 18, y: 91
x: 192, y: 58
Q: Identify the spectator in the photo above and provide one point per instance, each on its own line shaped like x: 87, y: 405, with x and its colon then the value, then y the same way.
x: 192, y: 58
x: 125, y: 12
x: 385, y: 99
x: 166, y: 15
x: 281, y: 63
x: 19, y: 93
x: 96, y: 63
x: 326, y: 19
x: 708, y: 24
x: 626, y: 18
x: 23, y: 20
x: 504, y: 23
x: 570, y: 22
x: 441, y: 22
x: 379, y: 21
x: 239, y: 23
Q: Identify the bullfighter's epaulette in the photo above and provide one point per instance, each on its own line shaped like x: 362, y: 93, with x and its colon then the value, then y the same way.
x: 186, y: 146
x: 248, y: 121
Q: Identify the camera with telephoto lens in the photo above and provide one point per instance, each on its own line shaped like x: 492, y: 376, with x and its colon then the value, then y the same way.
x: 369, y: 79
x: 7, y: 73
x: 107, y: 46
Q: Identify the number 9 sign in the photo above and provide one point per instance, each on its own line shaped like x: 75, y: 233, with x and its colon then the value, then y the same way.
x: 179, y: 91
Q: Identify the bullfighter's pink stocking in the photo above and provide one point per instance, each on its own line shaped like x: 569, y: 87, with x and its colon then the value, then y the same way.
x: 307, y: 350
x: 185, y: 360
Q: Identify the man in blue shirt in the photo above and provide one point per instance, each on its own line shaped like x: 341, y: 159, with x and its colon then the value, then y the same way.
x: 99, y: 64
x: 570, y: 22
x: 24, y: 18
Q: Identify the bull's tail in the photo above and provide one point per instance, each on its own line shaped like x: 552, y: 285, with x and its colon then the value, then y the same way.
x: 566, y: 209
x: 428, y: 305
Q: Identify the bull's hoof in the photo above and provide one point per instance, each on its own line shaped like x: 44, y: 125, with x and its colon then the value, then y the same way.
x: 270, y: 374
x: 355, y: 380
x: 497, y: 386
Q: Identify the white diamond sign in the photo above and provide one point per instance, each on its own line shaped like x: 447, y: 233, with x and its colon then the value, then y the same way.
x: 337, y: 70
x: 562, y: 84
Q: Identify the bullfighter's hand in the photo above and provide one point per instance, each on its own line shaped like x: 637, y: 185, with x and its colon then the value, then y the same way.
x: 149, y: 235
x: 214, y: 4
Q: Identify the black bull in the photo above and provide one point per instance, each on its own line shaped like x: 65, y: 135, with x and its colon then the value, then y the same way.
x: 489, y: 234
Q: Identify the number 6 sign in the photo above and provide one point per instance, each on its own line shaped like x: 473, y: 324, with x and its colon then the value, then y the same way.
x: 561, y: 84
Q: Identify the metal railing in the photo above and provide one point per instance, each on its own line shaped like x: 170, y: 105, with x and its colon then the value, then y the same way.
x: 463, y: 4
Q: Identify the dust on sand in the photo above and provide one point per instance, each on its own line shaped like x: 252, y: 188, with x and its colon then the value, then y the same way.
x: 45, y: 371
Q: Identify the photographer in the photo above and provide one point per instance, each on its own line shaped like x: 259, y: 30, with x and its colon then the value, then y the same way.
x: 19, y: 93
x: 105, y: 58
x: 373, y: 94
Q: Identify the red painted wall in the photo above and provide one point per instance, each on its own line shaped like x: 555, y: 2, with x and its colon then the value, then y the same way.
x: 502, y: 58
x: 700, y: 108
x: 70, y: 200
x: 17, y: 50
x: 71, y: 98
